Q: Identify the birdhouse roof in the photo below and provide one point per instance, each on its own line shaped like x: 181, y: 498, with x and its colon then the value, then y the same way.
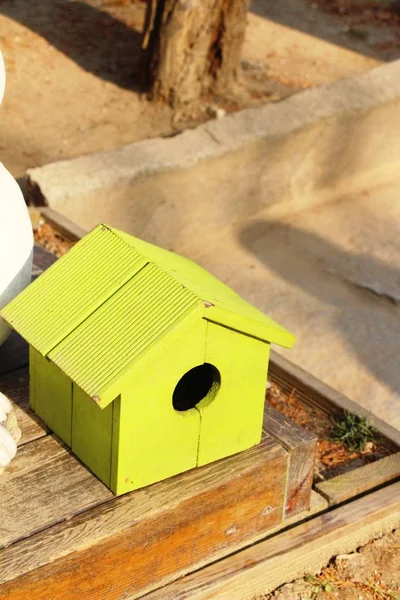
x: 100, y: 308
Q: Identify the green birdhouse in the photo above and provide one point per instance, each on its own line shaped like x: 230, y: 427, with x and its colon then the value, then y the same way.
x: 143, y: 363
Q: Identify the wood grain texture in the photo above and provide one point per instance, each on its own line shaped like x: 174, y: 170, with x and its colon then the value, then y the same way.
x: 301, y: 446
x: 139, y: 541
x: 42, y: 486
x: 16, y: 386
x: 13, y: 353
x: 193, y: 48
x: 65, y: 226
x: 303, y: 549
x: 316, y: 393
x: 355, y: 482
x: 42, y: 260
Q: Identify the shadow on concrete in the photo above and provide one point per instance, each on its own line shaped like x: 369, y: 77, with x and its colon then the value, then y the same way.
x: 307, y: 261
x: 98, y: 42
x: 298, y: 14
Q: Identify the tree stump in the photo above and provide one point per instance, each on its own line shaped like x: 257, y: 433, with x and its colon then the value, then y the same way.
x: 193, y: 47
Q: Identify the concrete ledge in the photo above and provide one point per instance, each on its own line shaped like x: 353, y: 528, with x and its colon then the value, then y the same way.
x: 303, y: 151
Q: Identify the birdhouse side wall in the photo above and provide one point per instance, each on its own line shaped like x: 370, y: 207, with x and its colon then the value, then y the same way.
x: 51, y: 395
x: 92, y: 430
x: 232, y: 421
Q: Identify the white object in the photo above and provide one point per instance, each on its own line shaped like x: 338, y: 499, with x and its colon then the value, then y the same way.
x: 16, y: 252
x: 16, y: 238
x: 5, y: 407
x: 8, y: 446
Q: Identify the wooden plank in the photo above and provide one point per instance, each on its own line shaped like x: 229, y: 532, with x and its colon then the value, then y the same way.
x: 356, y: 482
x: 301, y: 446
x: 65, y: 226
x: 303, y: 549
x: 13, y: 353
x: 42, y: 260
x: 314, y: 392
x: 136, y: 542
x: 16, y: 386
x: 42, y: 486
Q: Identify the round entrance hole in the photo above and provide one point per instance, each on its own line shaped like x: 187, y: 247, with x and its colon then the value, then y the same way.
x: 195, y: 385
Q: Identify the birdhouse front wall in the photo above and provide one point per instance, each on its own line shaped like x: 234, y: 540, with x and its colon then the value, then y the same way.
x: 233, y: 421
x: 154, y: 441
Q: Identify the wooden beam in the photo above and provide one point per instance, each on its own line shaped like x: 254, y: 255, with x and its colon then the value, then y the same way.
x: 42, y: 486
x: 316, y: 393
x: 357, y: 481
x: 65, y: 226
x: 301, y: 446
x: 137, y: 542
x: 305, y: 548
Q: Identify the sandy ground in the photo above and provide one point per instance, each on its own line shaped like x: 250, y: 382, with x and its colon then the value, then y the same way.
x: 371, y: 573
x: 72, y: 71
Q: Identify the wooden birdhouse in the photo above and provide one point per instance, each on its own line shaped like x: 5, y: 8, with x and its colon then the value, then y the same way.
x: 143, y: 363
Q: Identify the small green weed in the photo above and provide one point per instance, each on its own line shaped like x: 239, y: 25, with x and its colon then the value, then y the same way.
x: 320, y: 584
x: 353, y: 431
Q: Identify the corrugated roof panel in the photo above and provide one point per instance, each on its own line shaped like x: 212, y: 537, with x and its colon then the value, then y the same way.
x: 122, y: 329
x: 228, y: 308
x: 73, y: 288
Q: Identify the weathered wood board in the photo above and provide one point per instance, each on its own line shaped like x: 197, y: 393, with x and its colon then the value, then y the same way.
x: 144, y: 538
x: 306, y: 548
x: 356, y: 482
x: 301, y: 447
x: 315, y: 393
x: 189, y: 520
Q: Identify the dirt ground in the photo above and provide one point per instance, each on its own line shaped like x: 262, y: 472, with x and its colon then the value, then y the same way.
x: 371, y: 573
x: 72, y: 70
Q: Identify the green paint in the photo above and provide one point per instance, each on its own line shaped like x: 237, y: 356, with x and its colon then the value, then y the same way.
x: 233, y: 420
x: 53, y: 397
x: 92, y: 434
x: 155, y: 441
x: 32, y: 378
x: 113, y: 327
